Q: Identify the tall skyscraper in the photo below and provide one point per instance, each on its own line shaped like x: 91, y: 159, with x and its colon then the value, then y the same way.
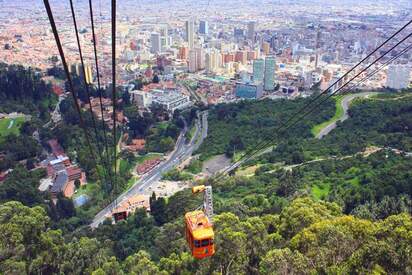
x: 266, y: 48
x: 164, y: 33
x: 270, y: 64
x: 251, y: 29
x: 398, y: 77
x: 190, y: 33
x: 156, y: 43
x: 200, y: 55
x: 204, y: 27
x: 213, y: 60
x: 258, y: 70
x: 193, y: 61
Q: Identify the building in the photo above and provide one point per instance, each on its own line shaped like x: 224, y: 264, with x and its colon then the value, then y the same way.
x: 156, y: 43
x: 200, y: 55
x: 204, y: 27
x: 241, y: 57
x: 266, y: 48
x: 193, y: 61
x: 170, y: 100
x: 78, y: 70
x: 213, y: 60
x: 269, y: 81
x: 190, y: 34
x: 251, y: 30
x: 249, y: 90
x: 398, y: 77
x: 129, y: 206
x: 164, y: 36
x: 258, y: 70
x: 183, y: 53
x: 141, y: 99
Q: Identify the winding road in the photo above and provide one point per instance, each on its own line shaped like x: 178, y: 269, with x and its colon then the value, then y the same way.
x: 183, y: 150
x: 345, y: 105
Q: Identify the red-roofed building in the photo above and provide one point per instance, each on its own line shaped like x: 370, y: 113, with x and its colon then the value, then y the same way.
x: 56, y: 148
x: 57, y: 90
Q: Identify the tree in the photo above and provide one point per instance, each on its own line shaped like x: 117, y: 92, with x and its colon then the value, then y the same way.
x: 65, y: 208
x: 156, y: 79
x: 303, y: 212
x: 141, y: 264
x: 284, y: 262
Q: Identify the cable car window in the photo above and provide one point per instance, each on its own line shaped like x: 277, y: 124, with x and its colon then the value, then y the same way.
x: 211, y: 241
x: 197, y: 243
x: 205, y: 242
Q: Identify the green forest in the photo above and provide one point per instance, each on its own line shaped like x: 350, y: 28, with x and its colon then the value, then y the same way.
x: 309, y: 207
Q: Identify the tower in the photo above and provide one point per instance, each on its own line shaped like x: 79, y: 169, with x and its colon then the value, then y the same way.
x: 190, y: 29
x: 270, y: 64
x: 251, y: 29
x: 204, y: 27
x: 258, y: 70
x: 156, y: 44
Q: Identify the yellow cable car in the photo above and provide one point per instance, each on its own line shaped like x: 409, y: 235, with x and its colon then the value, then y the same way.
x: 199, y: 226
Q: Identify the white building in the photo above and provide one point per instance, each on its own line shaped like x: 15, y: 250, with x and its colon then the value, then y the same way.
x: 398, y: 77
x: 170, y: 100
x: 141, y: 99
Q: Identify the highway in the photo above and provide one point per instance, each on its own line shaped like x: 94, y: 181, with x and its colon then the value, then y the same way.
x: 183, y: 150
x: 345, y: 105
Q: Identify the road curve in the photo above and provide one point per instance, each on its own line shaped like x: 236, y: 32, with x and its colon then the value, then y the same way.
x: 345, y: 105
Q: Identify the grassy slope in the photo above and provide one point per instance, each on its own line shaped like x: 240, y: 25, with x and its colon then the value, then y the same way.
x: 338, y: 114
x: 15, y: 129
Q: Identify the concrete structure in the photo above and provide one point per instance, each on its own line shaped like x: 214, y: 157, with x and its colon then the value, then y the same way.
x: 190, y: 34
x: 156, y: 43
x: 204, y: 27
x: 398, y: 77
x: 213, y: 60
x: 170, y: 100
x: 270, y: 64
x: 258, y: 70
x: 193, y: 61
x: 129, y: 206
x: 141, y: 98
x: 251, y: 30
x: 249, y: 90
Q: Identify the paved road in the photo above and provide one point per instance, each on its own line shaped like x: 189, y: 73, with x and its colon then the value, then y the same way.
x: 345, y: 105
x: 183, y: 150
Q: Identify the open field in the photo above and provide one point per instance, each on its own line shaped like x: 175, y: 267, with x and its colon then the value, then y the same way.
x: 10, y: 126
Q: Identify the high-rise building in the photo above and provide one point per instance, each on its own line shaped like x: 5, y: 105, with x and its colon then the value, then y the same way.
x: 249, y: 90
x: 266, y: 48
x: 193, y: 61
x: 398, y: 77
x: 156, y: 44
x: 213, y: 60
x: 204, y: 27
x: 251, y: 29
x: 238, y: 33
x: 200, y: 55
x: 270, y: 65
x: 164, y: 33
x: 258, y: 70
x: 241, y: 56
x: 183, y: 53
x: 190, y: 34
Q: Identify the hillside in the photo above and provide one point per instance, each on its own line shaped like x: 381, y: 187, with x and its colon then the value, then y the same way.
x: 348, y: 213
x: 240, y: 126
